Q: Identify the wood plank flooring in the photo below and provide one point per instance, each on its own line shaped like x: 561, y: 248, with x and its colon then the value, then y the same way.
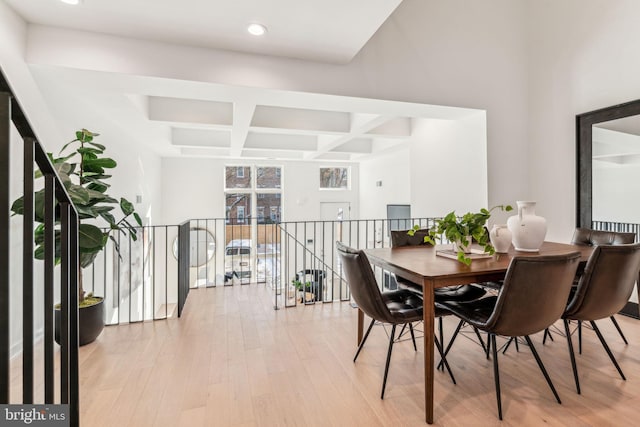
x: 232, y: 360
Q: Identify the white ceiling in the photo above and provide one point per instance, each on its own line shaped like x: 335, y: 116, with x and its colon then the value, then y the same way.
x: 174, y: 117
x: 318, y: 30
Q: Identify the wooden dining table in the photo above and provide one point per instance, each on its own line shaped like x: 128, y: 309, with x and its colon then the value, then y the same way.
x: 421, y: 265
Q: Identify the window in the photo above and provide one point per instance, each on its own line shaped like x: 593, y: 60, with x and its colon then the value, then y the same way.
x: 237, y: 177
x: 237, y: 206
x: 268, y: 204
x: 334, y: 178
x: 240, y: 214
x: 275, y: 213
x: 268, y: 177
x: 246, y: 186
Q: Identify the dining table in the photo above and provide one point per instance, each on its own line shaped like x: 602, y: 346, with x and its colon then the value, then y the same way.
x: 422, y: 265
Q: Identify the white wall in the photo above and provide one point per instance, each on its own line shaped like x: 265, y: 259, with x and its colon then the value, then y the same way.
x: 583, y: 56
x: 448, y: 166
x: 392, y: 168
x: 194, y: 188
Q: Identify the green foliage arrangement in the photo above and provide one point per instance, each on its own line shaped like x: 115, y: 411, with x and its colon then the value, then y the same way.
x: 83, y: 173
x: 463, y: 230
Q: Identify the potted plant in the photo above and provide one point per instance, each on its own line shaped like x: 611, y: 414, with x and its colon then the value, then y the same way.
x: 83, y: 173
x: 302, y: 288
x: 463, y: 230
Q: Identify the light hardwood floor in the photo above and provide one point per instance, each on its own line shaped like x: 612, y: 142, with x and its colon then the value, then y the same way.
x: 232, y: 360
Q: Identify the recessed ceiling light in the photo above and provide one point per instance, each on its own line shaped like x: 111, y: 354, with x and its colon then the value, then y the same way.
x: 73, y: 2
x: 256, y: 29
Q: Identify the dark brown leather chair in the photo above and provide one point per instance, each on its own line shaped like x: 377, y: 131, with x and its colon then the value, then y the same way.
x: 397, y: 307
x: 532, y: 297
x: 604, y: 288
x: 586, y: 236
x: 450, y: 293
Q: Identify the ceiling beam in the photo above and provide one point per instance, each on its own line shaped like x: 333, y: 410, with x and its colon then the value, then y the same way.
x: 242, y: 115
x: 360, y: 125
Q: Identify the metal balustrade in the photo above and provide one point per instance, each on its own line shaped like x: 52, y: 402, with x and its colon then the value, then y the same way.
x: 622, y: 227
x: 57, y: 206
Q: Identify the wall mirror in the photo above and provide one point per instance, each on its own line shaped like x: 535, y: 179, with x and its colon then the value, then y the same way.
x: 202, y: 247
x: 608, y: 171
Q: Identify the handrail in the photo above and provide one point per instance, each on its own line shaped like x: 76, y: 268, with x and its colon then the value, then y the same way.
x: 55, y: 193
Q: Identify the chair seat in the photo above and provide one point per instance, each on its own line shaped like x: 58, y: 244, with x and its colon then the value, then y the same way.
x: 459, y: 293
x: 407, y: 305
x: 475, y: 313
x: 449, y: 293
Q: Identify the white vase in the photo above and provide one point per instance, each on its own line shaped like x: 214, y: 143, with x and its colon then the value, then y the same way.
x: 528, y: 229
x: 500, y: 237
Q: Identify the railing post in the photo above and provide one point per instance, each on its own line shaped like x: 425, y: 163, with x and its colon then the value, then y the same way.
x: 183, y: 264
x: 65, y: 279
x: 27, y: 273
x: 49, y: 280
x: 5, y: 121
x: 74, y: 362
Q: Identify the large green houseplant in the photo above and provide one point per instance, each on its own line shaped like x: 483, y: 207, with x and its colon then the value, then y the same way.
x: 463, y: 230
x: 82, y: 168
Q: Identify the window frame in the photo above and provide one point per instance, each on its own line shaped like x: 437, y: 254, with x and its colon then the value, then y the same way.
x: 347, y: 188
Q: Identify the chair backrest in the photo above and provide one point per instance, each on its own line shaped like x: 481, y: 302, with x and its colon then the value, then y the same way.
x: 534, y: 294
x: 362, y: 283
x: 401, y: 238
x: 586, y: 236
x: 607, y: 282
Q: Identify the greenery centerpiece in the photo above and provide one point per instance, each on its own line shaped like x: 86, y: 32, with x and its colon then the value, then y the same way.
x: 463, y: 231
x: 82, y: 168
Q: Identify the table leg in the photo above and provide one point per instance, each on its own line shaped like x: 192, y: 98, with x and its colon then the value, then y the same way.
x: 429, y: 323
x: 360, y: 326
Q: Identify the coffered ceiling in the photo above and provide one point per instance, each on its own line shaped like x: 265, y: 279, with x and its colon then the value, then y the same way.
x: 177, y: 117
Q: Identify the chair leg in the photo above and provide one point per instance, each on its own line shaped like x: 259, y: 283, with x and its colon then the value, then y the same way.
x: 496, y: 373
x: 506, y: 347
x: 453, y: 338
x: 402, y: 330
x: 363, y: 340
x: 615, y: 323
x: 574, y: 366
x: 484, y: 348
x: 544, y: 337
x: 413, y: 337
x: 544, y: 371
x: 386, y: 367
x: 444, y: 360
x: 515, y: 339
x: 489, y: 341
x: 579, y: 336
x: 440, y: 330
x: 606, y: 347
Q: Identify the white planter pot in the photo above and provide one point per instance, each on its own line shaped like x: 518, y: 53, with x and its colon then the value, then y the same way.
x: 500, y: 237
x: 457, y: 246
x: 528, y: 229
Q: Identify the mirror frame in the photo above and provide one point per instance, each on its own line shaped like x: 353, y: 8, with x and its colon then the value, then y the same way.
x: 584, y: 178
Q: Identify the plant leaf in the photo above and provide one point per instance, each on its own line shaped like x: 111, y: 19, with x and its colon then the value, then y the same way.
x: 90, y: 237
x: 100, y: 163
x: 137, y: 217
x: 126, y: 206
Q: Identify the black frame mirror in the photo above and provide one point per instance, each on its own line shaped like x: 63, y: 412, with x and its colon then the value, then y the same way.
x: 584, y: 169
x: 584, y: 134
